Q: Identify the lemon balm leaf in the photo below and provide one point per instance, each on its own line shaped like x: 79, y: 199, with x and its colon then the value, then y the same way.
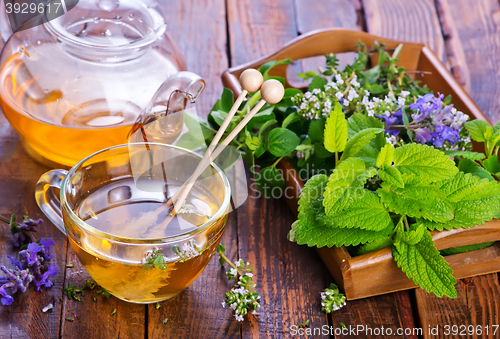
x: 423, y: 263
x: 336, y: 130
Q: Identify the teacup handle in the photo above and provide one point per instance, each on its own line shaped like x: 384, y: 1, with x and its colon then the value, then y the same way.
x: 47, y: 200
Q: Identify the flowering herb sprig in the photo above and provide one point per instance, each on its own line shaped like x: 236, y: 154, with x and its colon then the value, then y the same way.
x: 243, y: 297
x: 331, y: 299
x: 34, y: 266
x: 22, y: 234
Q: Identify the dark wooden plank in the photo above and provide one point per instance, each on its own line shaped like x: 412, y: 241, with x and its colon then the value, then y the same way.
x: 18, y: 176
x: 484, y: 303
x: 406, y: 20
x: 434, y: 311
x: 93, y: 319
x: 197, y: 312
x: 473, y: 30
x: 288, y: 276
x: 199, y: 29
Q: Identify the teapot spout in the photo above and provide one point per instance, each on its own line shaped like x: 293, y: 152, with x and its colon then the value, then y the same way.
x: 174, y: 94
x: 162, y: 119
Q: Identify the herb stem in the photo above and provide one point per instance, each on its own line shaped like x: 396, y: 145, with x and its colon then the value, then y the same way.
x: 336, y: 158
x: 407, y: 227
x: 228, y: 261
x: 7, y: 220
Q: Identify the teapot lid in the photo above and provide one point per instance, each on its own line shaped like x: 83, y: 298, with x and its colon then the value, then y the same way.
x: 109, y: 24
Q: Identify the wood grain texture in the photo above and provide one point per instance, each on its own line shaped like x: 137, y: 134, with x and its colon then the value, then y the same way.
x: 406, y: 20
x: 199, y: 29
x: 475, y: 28
x: 18, y: 176
x: 289, y: 277
x: 197, y: 312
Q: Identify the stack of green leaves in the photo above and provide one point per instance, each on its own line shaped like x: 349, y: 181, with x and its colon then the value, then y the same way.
x: 379, y: 196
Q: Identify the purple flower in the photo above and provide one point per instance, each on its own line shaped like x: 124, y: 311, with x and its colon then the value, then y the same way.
x: 444, y: 133
x: 44, y: 281
x: 419, y: 105
x: 46, y: 243
x: 15, y: 262
x: 31, y: 254
x: 6, y: 299
x: 423, y: 135
x: 22, y: 232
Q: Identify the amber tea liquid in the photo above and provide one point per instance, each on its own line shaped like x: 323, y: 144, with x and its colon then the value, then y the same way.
x: 64, y: 122
x: 122, y: 270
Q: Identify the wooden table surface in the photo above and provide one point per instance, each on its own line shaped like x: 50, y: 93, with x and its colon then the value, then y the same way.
x: 214, y: 35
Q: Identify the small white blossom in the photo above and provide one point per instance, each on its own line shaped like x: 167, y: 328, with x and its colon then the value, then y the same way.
x: 367, y: 93
x: 316, y: 105
x: 354, y: 82
x: 238, y: 317
x: 339, y: 79
x: 346, y: 102
x: 339, y: 95
x: 365, y: 101
x: 316, y: 91
x: 233, y: 271
x: 303, y: 106
x: 371, y: 113
x: 223, y: 304
x: 404, y: 94
x: 401, y: 101
x: 307, y: 95
x: 387, y: 113
x: 249, y: 275
x: 391, y: 140
x: 233, y: 306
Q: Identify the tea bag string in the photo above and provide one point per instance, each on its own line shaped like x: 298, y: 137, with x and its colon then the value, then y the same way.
x: 272, y: 92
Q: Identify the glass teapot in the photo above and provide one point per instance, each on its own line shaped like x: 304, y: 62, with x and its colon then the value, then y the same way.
x: 79, y: 83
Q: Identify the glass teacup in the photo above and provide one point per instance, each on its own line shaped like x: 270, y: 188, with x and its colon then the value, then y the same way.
x: 112, y: 208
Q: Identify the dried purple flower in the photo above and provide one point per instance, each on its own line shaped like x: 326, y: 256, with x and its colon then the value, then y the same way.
x: 33, y: 266
x: 22, y: 232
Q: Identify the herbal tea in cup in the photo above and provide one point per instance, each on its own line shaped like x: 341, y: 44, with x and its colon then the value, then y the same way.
x: 112, y: 208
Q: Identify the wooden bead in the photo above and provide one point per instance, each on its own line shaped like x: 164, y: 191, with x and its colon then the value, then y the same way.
x: 251, y: 80
x: 272, y: 91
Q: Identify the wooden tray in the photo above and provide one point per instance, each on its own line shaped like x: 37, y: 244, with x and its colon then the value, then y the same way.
x: 377, y: 273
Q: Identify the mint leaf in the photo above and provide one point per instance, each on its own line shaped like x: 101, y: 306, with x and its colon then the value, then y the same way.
x: 475, y: 201
x: 417, y: 201
x: 282, y: 141
x: 478, y: 130
x: 317, y: 82
x: 424, y: 265
x: 385, y: 156
x: 351, y: 173
x: 466, y: 155
x: 316, y: 130
x: 358, y: 122
x: 290, y: 119
x: 427, y: 163
x: 466, y: 248
x: 392, y: 176
x: 364, y: 211
x: 359, y: 141
x: 310, y: 228
x: 491, y: 164
x: 374, y: 245
x: 469, y: 166
x: 336, y: 130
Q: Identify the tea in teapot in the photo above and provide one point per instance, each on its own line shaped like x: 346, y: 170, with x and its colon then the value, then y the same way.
x: 78, y: 83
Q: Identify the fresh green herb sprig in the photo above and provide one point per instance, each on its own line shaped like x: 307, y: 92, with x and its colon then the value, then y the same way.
x: 243, y: 297
x: 392, y: 196
x: 332, y: 299
x: 77, y: 293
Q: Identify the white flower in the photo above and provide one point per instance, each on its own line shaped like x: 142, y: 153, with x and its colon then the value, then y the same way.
x: 401, y: 101
x: 238, y: 317
x: 391, y: 140
x: 328, y: 104
x: 254, y: 312
x: 237, y: 263
x: 367, y: 93
x: 404, y: 94
x: 316, y: 91
x: 307, y: 95
x: 339, y: 95
x: 354, y: 82
x: 377, y: 100
x: 371, y: 113
x: 316, y: 105
x: 365, y: 101
x: 223, y: 304
x: 233, y: 306
x: 352, y: 95
x: 249, y: 275
x: 292, y: 98
x: 387, y: 100
x: 467, y: 140
x: 233, y: 271
x: 387, y: 113
x: 339, y: 79
x: 303, y: 106
x: 248, y: 263
x: 346, y: 102
x: 313, y: 98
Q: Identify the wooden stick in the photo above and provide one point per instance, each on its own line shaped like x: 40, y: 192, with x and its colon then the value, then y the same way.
x: 272, y: 92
